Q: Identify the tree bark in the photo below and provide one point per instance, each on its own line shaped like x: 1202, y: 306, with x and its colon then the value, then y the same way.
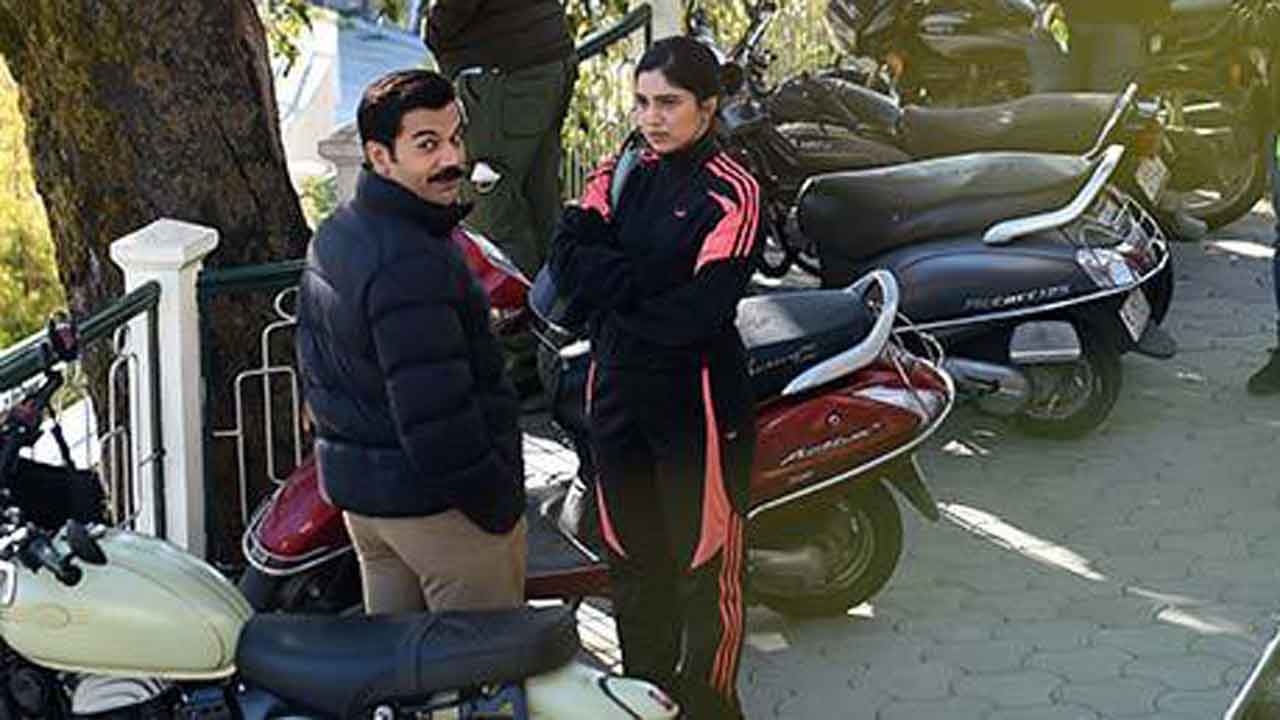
x: 142, y: 110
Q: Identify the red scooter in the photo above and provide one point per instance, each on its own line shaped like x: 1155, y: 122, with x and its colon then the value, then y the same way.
x: 842, y: 406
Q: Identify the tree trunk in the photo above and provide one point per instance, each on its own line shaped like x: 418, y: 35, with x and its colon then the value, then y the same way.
x: 142, y: 110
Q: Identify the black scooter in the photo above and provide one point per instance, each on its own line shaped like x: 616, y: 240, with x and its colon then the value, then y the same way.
x: 944, y: 52
x: 1209, y: 92
x: 1034, y: 270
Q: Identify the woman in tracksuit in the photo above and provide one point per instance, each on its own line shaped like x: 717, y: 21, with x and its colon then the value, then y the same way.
x: 669, y: 401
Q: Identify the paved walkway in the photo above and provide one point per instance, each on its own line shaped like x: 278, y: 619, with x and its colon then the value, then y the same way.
x: 1131, y: 574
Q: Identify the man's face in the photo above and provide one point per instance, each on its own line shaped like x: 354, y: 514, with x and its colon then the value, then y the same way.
x: 429, y: 154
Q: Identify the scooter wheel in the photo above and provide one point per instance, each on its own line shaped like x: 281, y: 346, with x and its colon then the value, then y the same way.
x: 1071, y: 403
x: 862, y: 539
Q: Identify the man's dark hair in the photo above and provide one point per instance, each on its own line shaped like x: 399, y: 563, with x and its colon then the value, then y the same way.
x: 685, y: 63
x: 390, y: 97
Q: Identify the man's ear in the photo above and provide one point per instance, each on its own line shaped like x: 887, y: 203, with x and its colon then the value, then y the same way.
x: 379, y: 156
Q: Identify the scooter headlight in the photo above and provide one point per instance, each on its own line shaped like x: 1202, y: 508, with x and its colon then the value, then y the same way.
x: 1107, y: 268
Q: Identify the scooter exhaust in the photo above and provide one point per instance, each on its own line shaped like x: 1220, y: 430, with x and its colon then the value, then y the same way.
x: 998, y: 389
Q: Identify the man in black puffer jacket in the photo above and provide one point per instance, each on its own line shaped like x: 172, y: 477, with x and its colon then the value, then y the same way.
x: 417, y: 434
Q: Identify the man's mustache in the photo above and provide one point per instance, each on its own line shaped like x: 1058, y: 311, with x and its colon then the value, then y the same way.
x: 448, y: 174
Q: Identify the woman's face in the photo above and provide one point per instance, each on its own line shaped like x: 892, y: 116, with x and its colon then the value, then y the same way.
x: 669, y: 117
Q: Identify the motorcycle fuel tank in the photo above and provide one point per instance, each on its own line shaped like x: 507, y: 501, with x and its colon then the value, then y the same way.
x: 152, y: 610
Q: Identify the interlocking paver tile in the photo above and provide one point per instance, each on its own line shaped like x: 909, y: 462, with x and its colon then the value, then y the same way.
x: 1212, y: 544
x: 981, y: 657
x: 1152, y: 565
x: 1154, y: 639
x: 1115, y: 696
x: 1236, y: 649
x: 861, y: 704
x: 1083, y: 665
x: 1045, y: 712
x: 955, y: 708
x: 966, y: 626
x: 1205, y: 704
x: 1113, y: 611
x: 922, y: 681
x: 1028, y: 687
x: 1180, y: 672
x: 1025, y: 605
x: 1050, y: 634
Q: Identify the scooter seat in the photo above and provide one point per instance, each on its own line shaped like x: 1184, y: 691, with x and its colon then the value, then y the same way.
x: 345, y: 666
x: 1047, y: 122
x: 857, y: 215
x: 787, y: 333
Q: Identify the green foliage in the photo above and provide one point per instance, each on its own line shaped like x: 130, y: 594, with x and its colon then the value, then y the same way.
x: 284, y: 21
x: 598, y: 116
x: 319, y: 197
x: 29, y: 287
x: 1258, y: 22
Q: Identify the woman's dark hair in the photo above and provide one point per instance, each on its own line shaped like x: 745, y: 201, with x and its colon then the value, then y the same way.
x: 389, y: 98
x: 685, y: 63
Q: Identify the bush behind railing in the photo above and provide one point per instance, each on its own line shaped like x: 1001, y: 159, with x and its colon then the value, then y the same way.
x: 599, y: 114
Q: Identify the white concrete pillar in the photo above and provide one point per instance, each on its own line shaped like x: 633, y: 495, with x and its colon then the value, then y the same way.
x: 668, y: 18
x: 170, y: 252
x: 342, y: 148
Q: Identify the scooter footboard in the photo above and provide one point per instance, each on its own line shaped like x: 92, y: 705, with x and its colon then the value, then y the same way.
x: 559, y: 567
x: 577, y: 692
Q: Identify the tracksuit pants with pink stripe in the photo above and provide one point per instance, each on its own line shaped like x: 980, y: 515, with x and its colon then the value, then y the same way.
x: 673, y: 451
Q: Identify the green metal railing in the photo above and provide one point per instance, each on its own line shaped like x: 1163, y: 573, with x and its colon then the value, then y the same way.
x: 278, y: 279
x: 25, y: 361
x: 598, y: 42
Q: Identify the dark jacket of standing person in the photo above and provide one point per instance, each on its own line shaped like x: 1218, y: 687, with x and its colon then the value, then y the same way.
x: 508, y: 34
x: 409, y: 423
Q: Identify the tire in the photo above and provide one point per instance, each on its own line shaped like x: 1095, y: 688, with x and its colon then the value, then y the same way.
x: 873, y: 522
x: 1098, y: 373
x: 1227, y: 179
x: 1161, y: 293
x: 260, y: 589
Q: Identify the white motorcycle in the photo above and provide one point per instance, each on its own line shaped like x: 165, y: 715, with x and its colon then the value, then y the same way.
x: 107, y: 623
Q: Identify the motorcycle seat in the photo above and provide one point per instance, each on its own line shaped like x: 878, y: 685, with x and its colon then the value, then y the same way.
x: 860, y: 214
x: 1047, y: 122
x: 345, y: 666
x: 787, y: 333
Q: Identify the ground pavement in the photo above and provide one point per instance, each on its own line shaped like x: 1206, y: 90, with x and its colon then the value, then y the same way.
x: 1130, y: 574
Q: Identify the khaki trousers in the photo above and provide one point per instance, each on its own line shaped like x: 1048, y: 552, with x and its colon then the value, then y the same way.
x: 439, y: 562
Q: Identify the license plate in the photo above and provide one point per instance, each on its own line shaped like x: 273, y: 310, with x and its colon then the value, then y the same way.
x: 1135, y: 313
x: 1151, y: 175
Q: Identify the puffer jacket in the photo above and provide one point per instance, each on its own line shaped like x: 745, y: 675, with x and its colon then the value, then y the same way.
x: 413, y: 413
